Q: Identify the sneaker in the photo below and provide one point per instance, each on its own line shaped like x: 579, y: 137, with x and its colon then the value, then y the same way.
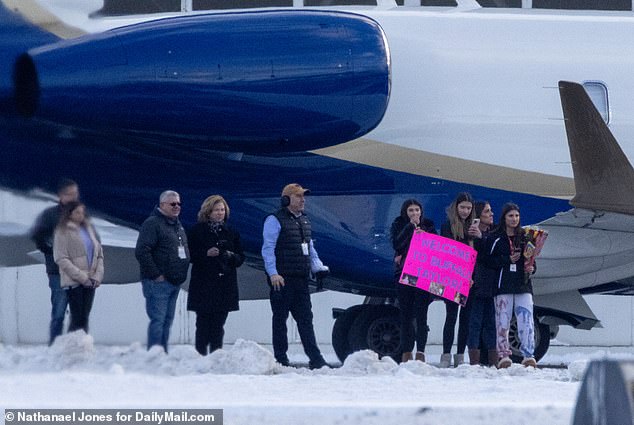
x: 529, y: 361
x: 505, y: 362
x: 445, y: 360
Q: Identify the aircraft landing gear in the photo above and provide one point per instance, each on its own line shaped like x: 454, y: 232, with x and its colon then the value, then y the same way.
x: 362, y: 327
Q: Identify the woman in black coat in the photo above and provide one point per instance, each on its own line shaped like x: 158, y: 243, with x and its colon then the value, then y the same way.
x: 480, y: 303
x: 216, y: 253
x: 413, y: 302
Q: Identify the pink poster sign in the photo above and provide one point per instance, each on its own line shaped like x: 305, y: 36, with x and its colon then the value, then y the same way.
x: 440, y: 266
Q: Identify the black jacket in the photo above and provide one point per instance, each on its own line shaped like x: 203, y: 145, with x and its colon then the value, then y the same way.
x: 213, y: 286
x: 498, y: 258
x: 401, y: 234
x: 42, y: 234
x: 484, y: 277
x: 157, y: 249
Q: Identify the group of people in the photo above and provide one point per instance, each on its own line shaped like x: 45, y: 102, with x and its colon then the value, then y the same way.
x: 164, y: 250
x: 500, y: 286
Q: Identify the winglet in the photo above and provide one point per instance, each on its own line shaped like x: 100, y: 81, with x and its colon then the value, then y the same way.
x: 604, y: 177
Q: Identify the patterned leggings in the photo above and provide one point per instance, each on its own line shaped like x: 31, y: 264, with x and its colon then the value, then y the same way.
x: 523, y: 304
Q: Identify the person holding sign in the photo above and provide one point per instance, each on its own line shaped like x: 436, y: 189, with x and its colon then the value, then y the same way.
x: 413, y: 302
x: 480, y: 302
x: 459, y: 227
x: 514, y: 293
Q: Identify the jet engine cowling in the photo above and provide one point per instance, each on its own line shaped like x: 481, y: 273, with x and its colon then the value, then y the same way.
x: 244, y: 82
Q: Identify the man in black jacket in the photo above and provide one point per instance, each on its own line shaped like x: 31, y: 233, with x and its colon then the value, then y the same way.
x: 42, y: 235
x: 163, y: 255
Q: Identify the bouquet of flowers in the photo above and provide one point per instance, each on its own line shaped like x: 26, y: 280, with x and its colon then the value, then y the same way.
x: 535, y: 239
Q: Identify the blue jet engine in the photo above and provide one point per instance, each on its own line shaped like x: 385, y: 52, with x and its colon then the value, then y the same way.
x: 255, y: 82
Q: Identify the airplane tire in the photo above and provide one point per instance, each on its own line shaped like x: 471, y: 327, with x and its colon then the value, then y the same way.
x: 341, y: 329
x: 377, y: 328
x: 542, y: 340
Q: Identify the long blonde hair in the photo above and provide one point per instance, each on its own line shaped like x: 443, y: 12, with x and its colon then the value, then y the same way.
x: 457, y: 225
x: 208, y: 206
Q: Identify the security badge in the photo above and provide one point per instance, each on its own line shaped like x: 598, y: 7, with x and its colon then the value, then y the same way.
x: 181, y: 252
x: 304, y: 248
x: 513, y: 267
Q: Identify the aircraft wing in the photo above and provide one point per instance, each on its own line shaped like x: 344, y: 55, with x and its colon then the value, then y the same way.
x: 17, y: 249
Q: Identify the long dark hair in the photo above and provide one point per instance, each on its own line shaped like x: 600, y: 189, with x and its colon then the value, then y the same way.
x: 409, y: 203
x: 457, y: 226
x: 67, y: 211
x: 479, y: 206
x: 508, y: 207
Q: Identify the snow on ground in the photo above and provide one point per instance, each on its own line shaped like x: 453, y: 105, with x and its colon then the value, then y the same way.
x: 252, y: 388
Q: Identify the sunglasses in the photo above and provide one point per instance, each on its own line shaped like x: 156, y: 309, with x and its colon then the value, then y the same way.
x: 173, y: 203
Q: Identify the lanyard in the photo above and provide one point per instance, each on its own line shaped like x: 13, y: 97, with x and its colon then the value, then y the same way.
x: 511, y: 245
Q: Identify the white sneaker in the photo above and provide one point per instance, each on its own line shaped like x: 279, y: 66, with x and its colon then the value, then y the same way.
x: 505, y: 362
x: 445, y: 360
x: 529, y: 361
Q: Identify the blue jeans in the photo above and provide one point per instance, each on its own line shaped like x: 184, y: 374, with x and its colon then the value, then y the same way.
x: 482, y: 323
x: 59, y: 302
x: 160, y: 305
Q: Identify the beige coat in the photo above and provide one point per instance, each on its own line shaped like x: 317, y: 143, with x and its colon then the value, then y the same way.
x: 70, y: 255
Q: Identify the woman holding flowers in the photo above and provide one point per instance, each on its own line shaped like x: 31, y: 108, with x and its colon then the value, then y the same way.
x: 514, y: 292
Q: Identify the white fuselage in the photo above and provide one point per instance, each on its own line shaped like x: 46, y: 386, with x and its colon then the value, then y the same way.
x: 474, y: 95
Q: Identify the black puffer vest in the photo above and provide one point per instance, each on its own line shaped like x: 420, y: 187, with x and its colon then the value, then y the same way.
x: 290, y: 260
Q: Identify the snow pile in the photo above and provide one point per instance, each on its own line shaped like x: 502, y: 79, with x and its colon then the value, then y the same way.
x: 245, y: 381
x: 245, y: 358
x: 367, y: 362
x: 76, y: 352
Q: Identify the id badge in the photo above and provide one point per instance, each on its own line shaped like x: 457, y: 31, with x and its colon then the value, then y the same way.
x: 513, y: 267
x: 304, y: 248
x: 181, y: 252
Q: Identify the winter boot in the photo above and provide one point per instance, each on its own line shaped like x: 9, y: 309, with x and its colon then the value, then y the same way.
x: 407, y: 356
x: 493, y: 358
x: 529, y: 361
x: 420, y: 356
x: 458, y: 359
x: 445, y: 360
x: 505, y: 362
x: 474, y: 356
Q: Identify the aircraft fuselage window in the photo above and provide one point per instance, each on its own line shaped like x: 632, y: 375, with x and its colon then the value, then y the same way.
x: 238, y: 4
x: 598, y: 93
